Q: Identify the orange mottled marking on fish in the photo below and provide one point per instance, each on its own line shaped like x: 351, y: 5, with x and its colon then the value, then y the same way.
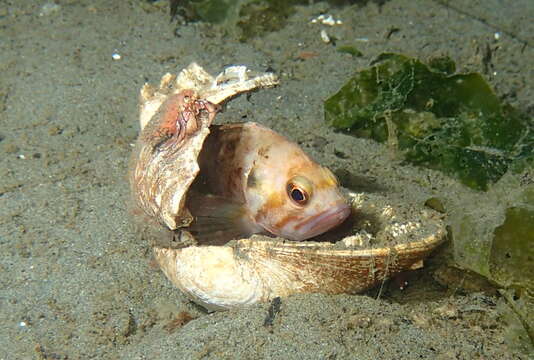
x: 274, y: 201
x: 325, y: 179
x: 283, y: 221
x: 308, y: 220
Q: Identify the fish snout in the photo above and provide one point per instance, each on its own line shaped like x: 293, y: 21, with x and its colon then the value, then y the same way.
x: 321, y: 222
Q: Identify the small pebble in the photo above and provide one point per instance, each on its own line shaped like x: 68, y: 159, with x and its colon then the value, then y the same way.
x: 358, y: 321
x: 325, y: 37
x: 447, y: 311
x: 115, y: 55
x: 49, y: 8
x: 326, y: 20
x: 420, y: 320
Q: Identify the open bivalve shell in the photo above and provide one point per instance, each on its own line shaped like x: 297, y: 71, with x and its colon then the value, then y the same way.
x: 393, y: 237
x: 386, y: 236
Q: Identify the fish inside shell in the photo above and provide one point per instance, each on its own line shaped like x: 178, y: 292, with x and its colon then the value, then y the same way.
x: 254, y: 180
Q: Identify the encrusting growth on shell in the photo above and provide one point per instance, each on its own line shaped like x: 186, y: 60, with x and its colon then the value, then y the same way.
x: 164, y: 163
x: 232, y: 81
x: 387, y: 237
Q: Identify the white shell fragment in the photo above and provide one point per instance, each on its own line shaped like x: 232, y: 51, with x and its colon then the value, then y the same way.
x: 324, y: 36
x: 326, y: 19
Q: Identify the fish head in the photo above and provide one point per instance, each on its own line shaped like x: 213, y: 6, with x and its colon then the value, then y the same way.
x: 293, y: 197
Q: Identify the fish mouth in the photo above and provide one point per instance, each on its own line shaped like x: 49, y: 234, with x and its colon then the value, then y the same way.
x: 322, y: 222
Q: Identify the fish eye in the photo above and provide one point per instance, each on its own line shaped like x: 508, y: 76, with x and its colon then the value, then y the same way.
x: 297, y: 195
x: 299, y: 190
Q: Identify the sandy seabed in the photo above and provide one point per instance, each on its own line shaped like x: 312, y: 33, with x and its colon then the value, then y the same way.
x: 76, y: 280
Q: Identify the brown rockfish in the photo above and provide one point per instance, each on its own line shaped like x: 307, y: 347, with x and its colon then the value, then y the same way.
x: 259, y: 182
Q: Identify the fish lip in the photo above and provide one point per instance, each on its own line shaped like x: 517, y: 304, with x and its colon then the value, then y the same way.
x: 323, y: 221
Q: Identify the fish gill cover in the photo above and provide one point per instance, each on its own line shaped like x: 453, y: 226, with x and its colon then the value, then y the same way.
x: 450, y: 122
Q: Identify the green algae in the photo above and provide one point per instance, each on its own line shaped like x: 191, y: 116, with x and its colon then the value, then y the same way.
x: 452, y: 123
x: 212, y: 11
x: 500, y: 246
x: 512, y: 254
x: 511, y: 261
x: 259, y: 17
x: 349, y: 49
x: 246, y: 19
x: 436, y: 204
